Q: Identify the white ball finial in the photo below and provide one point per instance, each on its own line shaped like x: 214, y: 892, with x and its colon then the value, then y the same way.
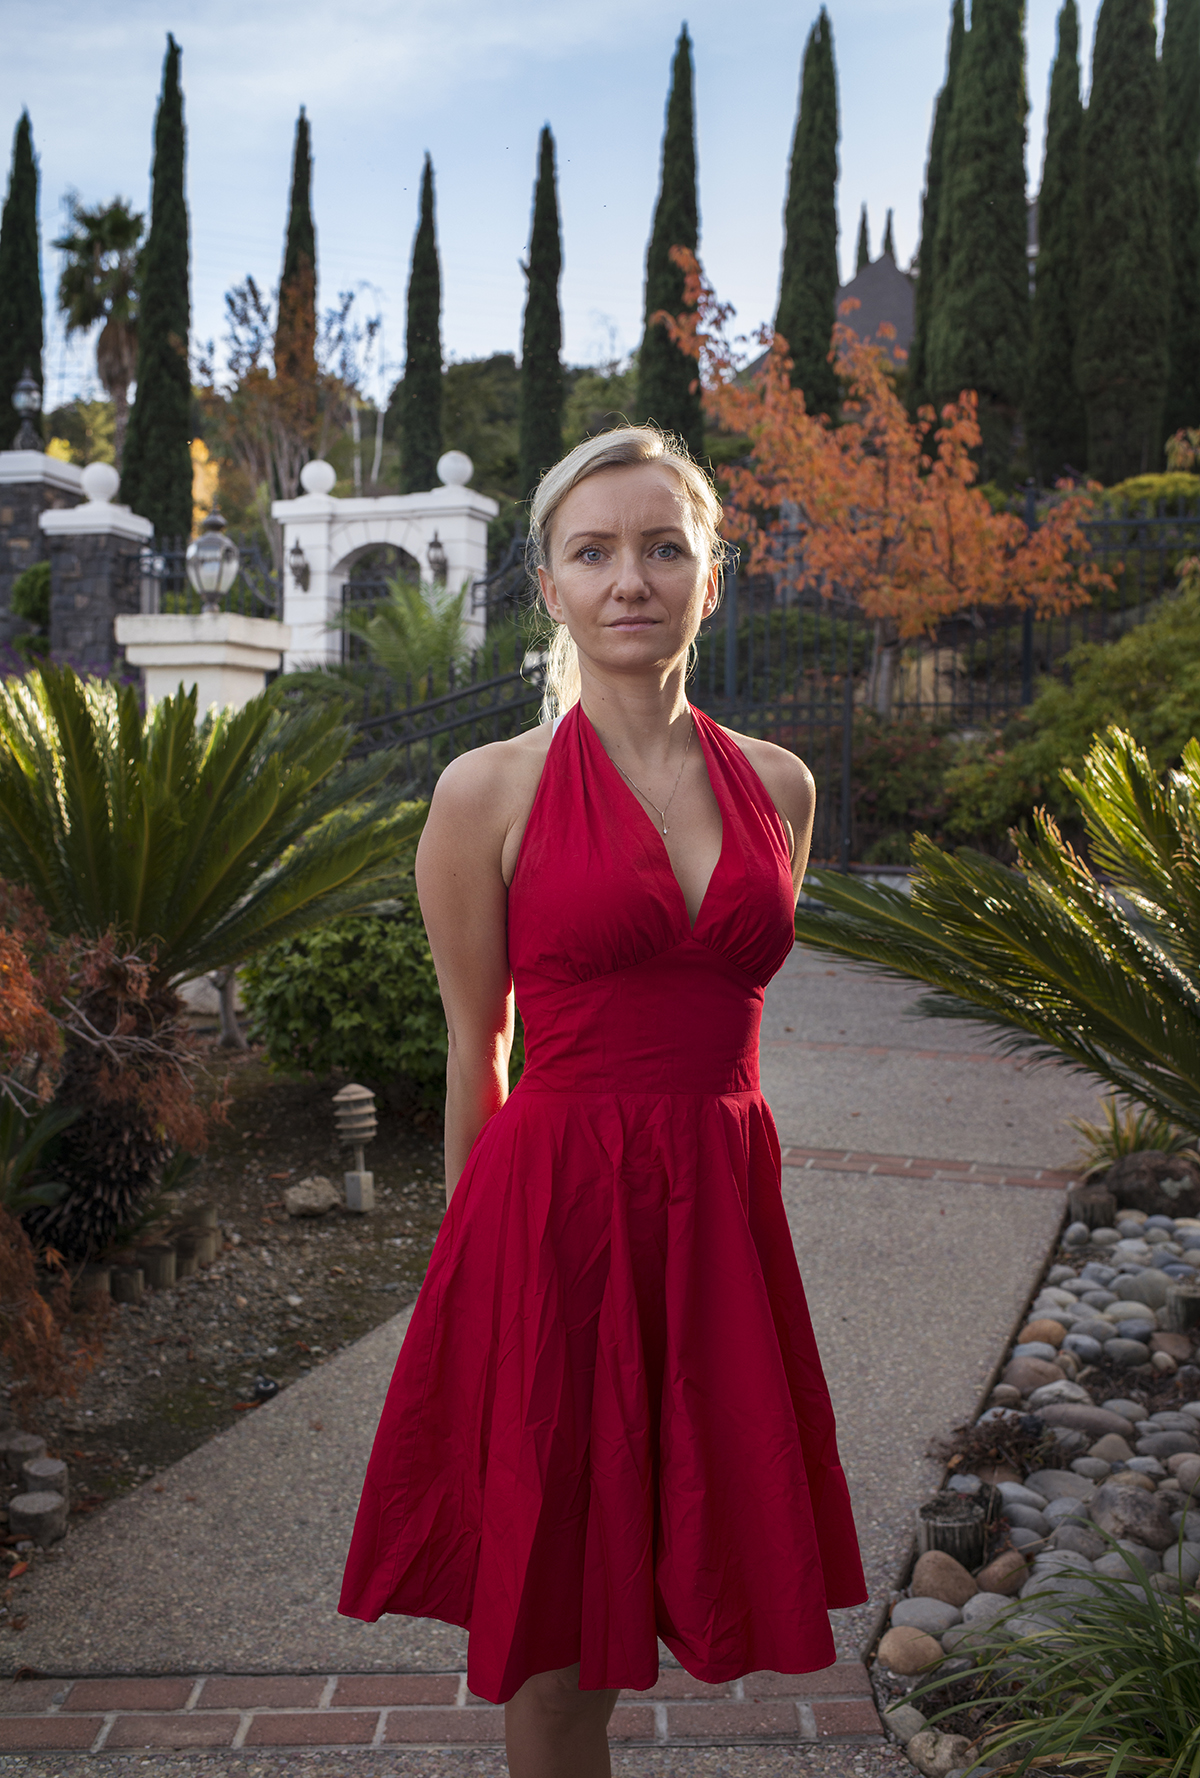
x: 100, y: 483
x: 455, y: 469
x: 318, y: 477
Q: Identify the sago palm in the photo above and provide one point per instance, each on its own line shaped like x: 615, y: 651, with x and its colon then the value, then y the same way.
x: 194, y: 847
x: 414, y: 635
x: 1096, y: 966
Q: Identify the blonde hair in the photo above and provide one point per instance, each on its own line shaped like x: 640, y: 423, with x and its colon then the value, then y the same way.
x: 610, y: 450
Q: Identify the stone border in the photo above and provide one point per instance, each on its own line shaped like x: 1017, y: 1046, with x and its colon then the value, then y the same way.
x: 433, y: 1710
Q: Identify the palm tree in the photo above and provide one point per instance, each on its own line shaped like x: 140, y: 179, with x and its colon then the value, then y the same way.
x: 193, y: 847
x: 99, y: 282
x: 412, y: 637
x: 1096, y: 969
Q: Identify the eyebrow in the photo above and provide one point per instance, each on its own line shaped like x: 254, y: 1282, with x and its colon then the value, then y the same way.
x: 607, y: 536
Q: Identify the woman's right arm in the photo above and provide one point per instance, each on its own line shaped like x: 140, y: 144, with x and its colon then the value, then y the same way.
x: 465, y: 906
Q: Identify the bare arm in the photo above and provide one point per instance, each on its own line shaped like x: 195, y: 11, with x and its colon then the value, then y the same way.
x: 465, y: 905
x: 789, y: 784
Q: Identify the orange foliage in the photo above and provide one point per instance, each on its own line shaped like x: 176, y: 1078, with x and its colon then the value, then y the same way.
x: 46, y: 1352
x: 30, y: 1039
x: 879, y: 507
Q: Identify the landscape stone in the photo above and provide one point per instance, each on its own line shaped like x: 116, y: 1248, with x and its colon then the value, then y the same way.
x: 1176, y: 1345
x: 1149, y: 1466
x: 1019, y: 1495
x: 1131, y: 1329
x: 1125, y: 1511
x: 1051, y: 1484
x: 907, y: 1651
x: 933, y: 1616
x: 1035, y: 1349
x: 1006, y: 1574
x: 1186, y: 1471
x: 1115, y: 1567
x: 936, y: 1755
x: 1096, y: 1422
x: 1132, y: 1411
x: 1160, y: 1184
x: 1112, y: 1448
x: 1066, y: 1507
x: 1094, y: 1468
x: 1029, y: 1518
x: 1028, y: 1374
x: 1058, y: 1392
x: 1187, y: 1522
x: 1042, y: 1329
x: 1126, y: 1353
x: 1080, y: 1540
x: 1023, y: 1538
x: 1168, y: 1444
x: 1095, y: 1327
x: 1005, y: 1396
x: 1090, y: 1351
x: 984, y: 1607
x: 904, y: 1721
x: 938, y: 1576
x: 311, y: 1197
x: 1182, y: 1564
x: 1134, y: 1478
x: 42, y: 1516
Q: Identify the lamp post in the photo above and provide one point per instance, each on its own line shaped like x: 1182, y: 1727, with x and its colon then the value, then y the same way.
x: 27, y: 399
x: 298, y: 563
x: 354, y: 1115
x: 211, y: 562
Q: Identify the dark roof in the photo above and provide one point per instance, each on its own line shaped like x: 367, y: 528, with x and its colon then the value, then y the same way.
x: 884, y: 294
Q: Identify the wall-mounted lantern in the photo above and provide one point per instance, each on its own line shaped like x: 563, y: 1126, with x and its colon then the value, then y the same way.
x: 27, y: 399
x: 438, y: 564
x: 298, y: 563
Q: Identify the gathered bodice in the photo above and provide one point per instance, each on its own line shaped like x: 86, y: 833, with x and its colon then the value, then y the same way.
x: 618, y: 991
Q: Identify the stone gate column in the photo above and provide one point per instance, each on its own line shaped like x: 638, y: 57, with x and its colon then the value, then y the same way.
x: 94, y: 551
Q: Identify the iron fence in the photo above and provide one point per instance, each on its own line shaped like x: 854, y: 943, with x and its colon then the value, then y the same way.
x: 801, y: 668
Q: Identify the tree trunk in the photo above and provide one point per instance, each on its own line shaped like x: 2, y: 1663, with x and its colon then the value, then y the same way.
x: 225, y: 982
x: 885, y: 650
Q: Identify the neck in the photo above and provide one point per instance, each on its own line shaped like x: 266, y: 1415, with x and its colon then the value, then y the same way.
x: 641, y: 721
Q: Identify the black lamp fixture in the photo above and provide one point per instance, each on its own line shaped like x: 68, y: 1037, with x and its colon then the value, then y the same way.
x: 212, y: 562
x: 436, y: 554
x: 27, y: 399
x: 298, y: 563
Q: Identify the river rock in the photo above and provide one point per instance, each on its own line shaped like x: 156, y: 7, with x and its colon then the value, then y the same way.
x: 1042, y: 1329
x: 1025, y: 1540
x: 933, y: 1616
x: 904, y: 1721
x: 1188, y: 1523
x: 1081, y: 1540
x: 1126, y: 1353
x: 1052, y: 1484
x: 1029, y: 1518
x: 1094, y: 1468
x: 311, y: 1197
x: 1028, y: 1374
x: 1057, y: 1392
x: 1096, y: 1422
x: 1186, y: 1471
x: 1112, y: 1448
x: 908, y: 1651
x: 1133, y: 1411
x: 1036, y: 1349
x: 1006, y: 1574
x: 1182, y: 1564
x: 1085, y: 1349
x: 1168, y: 1444
x: 1124, y: 1511
x: 983, y: 1607
x: 938, y: 1576
x: 1017, y: 1494
x: 1176, y: 1345
x: 936, y: 1755
x: 1135, y: 1478
x: 1160, y: 1184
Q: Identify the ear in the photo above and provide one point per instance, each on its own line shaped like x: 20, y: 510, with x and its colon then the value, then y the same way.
x: 550, y: 595
x: 712, y: 592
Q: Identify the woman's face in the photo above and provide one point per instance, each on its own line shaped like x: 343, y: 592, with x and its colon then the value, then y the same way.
x: 627, y: 573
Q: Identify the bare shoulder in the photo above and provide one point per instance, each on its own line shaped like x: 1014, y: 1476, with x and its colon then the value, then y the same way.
x: 495, y: 778
x: 788, y: 781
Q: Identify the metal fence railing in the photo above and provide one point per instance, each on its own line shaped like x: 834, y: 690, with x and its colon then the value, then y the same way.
x: 163, y: 583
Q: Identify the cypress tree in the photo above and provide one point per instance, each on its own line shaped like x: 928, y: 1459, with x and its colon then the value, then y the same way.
x: 979, y: 329
x: 668, y: 390
x: 862, y: 254
x: 1121, y: 346
x: 889, y: 239
x: 808, y: 288
x: 1054, y: 418
x: 156, y: 476
x: 1181, y: 133
x: 20, y: 283
x: 541, y: 406
x: 421, y: 391
x: 296, y: 326
x: 928, y: 266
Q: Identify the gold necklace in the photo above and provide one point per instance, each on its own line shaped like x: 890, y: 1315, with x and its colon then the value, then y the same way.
x: 661, y: 813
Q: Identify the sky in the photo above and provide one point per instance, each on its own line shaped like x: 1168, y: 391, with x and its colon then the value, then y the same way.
x: 472, y: 82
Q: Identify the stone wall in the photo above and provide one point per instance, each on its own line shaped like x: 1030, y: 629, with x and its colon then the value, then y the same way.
x: 93, y: 579
x: 30, y: 484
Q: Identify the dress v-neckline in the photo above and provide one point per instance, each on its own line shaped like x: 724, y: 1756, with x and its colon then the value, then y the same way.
x: 664, y: 855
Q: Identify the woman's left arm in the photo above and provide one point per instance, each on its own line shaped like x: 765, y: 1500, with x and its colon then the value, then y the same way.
x: 789, y: 784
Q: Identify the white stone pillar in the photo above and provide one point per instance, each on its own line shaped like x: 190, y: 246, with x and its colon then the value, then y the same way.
x: 225, y: 656
x: 329, y: 533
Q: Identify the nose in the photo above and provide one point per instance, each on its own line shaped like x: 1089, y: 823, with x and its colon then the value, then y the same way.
x: 629, y: 583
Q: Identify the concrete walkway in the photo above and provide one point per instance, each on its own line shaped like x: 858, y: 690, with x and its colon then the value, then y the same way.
x: 230, y: 1563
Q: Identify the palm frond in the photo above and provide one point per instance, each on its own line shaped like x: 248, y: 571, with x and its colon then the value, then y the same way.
x: 1098, y: 977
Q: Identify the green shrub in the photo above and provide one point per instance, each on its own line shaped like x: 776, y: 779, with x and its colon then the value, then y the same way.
x: 1147, y: 682
x: 29, y: 598
x: 1131, y: 496
x: 358, y: 995
x: 898, y: 775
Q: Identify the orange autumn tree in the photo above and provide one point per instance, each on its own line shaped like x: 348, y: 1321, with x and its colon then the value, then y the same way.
x: 879, y: 508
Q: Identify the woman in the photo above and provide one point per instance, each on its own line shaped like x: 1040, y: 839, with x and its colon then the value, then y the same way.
x: 608, y: 1422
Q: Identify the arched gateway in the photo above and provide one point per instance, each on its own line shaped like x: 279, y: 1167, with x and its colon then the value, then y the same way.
x: 323, y: 537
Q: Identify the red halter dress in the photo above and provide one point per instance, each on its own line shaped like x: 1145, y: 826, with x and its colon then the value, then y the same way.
x: 608, y: 1422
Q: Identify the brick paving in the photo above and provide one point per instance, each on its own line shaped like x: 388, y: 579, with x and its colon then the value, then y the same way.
x: 432, y: 1710
x: 914, y: 1166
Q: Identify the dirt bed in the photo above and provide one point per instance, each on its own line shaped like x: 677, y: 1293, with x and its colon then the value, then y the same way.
x: 282, y: 1296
